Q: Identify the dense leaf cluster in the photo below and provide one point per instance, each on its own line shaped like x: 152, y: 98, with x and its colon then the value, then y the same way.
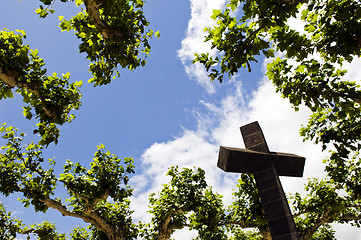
x: 49, y: 98
x: 112, y: 33
x: 186, y: 201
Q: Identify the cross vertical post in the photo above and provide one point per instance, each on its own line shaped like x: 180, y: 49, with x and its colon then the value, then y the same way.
x: 266, y: 167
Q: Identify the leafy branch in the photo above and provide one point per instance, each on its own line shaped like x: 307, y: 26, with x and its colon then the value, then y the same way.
x: 106, y: 178
x: 49, y: 98
x: 92, y: 8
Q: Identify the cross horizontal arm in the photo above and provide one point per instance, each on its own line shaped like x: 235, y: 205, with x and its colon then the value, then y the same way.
x: 241, y: 160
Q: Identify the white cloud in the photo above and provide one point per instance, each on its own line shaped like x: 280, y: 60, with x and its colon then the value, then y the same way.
x: 353, y: 70
x: 184, y: 234
x: 199, y: 147
x: 201, y: 10
x: 220, y: 126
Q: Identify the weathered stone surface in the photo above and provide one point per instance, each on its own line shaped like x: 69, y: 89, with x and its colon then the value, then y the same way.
x: 242, y: 160
x: 266, y: 167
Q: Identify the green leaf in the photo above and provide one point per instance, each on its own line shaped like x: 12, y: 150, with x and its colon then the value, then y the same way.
x: 215, y: 14
x: 78, y: 2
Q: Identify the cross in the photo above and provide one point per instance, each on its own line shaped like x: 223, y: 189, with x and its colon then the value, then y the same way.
x: 266, y: 167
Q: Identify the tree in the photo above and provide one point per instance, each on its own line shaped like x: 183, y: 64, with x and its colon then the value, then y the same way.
x: 309, y: 71
x: 114, y: 33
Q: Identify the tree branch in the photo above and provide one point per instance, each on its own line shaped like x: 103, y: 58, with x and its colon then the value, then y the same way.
x: 350, y: 217
x: 31, y: 230
x: 242, y: 224
x: 91, y: 217
x: 102, y: 197
x: 88, y: 209
x: 92, y: 8
x: 165, y: 228
x: 248, y: 39
x: 328, y: 217
x: 290, y: 2
x: 9, y: 78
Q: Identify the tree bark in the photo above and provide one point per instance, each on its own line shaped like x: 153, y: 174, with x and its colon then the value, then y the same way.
x: 8, y: 77
x: 166, y: 228
x: 92, y: 8
x: 89, y: 217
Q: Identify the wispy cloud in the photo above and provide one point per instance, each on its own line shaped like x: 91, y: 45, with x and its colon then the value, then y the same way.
x: 199, y: 147
x: 201, y: 10
x: 220, y: 126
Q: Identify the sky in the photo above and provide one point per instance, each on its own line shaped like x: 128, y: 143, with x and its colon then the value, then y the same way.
x: 167, y: 113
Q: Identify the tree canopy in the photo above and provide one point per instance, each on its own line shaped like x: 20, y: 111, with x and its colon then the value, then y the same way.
x: 308, y: 70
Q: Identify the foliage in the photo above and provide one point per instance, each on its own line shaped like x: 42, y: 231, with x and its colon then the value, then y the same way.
x: 246, y: 211
x: 8, y: 226
x: 23, y: 170
x: 114, y: 33
x: 309, y: 71
x: 186, y: 197
x: 324, y: 205
x: 99, y: 195
x: 49, y: 98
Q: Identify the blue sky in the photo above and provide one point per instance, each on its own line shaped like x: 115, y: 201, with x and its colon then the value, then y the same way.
x: 167, y: 113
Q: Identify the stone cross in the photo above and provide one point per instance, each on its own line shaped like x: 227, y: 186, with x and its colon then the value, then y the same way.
x: 266, y: 167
